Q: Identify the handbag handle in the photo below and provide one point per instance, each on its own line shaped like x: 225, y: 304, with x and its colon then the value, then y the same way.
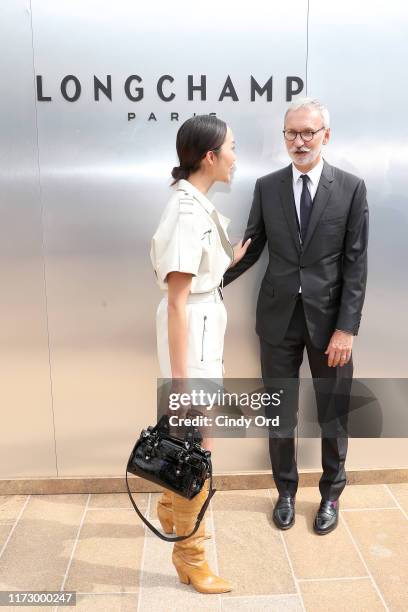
x: 163, y: 424
x: 200, y: 515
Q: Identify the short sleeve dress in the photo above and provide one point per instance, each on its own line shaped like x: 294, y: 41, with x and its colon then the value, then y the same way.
x: 192, y: 237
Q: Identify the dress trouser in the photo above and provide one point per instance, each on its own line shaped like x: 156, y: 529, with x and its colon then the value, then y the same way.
x: 332, y: 388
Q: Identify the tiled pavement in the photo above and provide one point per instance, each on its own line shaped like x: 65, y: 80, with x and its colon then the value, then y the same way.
x: 97, y: 546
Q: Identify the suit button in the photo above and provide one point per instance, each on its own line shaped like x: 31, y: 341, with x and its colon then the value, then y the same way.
x: 301, y: 267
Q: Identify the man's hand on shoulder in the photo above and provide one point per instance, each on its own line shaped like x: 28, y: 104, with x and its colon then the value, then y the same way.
x: 339, y: 348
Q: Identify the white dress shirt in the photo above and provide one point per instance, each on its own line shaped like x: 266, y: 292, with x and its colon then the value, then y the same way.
x: 312, y: 184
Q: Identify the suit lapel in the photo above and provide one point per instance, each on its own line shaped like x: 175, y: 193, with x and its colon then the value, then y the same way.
x: 222, y: 222
x: 320, y: 200
x: 287, y: 200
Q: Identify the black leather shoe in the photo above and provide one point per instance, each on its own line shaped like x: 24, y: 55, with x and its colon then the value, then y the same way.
x: 327, y: 517
x: 284, y: 512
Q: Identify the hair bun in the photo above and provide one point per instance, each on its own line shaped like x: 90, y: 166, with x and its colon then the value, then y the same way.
x: 175, y: 172
x: 179, y: 172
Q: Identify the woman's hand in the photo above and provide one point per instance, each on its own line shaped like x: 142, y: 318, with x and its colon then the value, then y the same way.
x: 178, y: 403
x: 239, y: 251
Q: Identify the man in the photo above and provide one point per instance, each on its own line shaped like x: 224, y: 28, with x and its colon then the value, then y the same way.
x: 315, y: 219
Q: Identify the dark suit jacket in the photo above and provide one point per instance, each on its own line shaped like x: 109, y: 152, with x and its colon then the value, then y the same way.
x: 330, y: 266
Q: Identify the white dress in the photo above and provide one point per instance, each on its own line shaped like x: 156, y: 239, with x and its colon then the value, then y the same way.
x: 192, y: 237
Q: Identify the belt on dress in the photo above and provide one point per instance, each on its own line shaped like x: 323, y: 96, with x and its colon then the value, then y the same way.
x: 215, y: 295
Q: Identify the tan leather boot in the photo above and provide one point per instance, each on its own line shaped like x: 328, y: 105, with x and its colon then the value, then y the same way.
x: 165, y: 513
x: 189, y: 555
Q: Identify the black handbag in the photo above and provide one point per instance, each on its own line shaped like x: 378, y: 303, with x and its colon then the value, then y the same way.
x: 180, y: 465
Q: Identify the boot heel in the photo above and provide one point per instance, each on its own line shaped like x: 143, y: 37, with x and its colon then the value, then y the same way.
x: 183, y: 577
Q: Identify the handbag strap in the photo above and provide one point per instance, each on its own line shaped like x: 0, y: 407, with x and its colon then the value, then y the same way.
x: 200, y: 515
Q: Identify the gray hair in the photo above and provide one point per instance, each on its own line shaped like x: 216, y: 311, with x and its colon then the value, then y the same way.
x: 311, y: 103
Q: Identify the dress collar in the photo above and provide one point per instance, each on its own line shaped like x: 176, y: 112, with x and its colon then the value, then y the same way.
x: 314, y: 174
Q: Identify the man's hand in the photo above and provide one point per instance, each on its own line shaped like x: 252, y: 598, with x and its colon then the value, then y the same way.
x: 239, y: 251
x: 339, y: 348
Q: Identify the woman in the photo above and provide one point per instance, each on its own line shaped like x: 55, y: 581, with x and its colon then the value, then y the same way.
x: 190, y: 252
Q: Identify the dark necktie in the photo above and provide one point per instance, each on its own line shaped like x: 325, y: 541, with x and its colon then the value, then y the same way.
x: 305, y: 206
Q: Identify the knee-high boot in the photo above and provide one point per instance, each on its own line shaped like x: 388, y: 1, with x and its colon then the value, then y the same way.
x: 165, y: 513
x: 189, y: 555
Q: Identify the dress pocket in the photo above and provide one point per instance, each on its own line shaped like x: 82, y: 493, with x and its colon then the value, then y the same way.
x: 335, y: 292
x: 333, y: 220
x: 212, y: 331
x: 206, y: 237
x: 203, y: 336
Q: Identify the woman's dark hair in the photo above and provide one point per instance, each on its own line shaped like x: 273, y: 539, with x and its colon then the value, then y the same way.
x: 195, y: 138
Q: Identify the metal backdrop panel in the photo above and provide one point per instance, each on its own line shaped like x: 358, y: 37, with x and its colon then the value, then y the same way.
x: 27, y: 446
x: 105, y: 181
x: 88, y: 98
x: 356, y: 58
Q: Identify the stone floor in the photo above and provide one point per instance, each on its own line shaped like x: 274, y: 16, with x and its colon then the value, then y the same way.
x: 97, y: 546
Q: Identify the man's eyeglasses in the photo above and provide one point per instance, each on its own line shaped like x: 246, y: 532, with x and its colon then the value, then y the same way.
x: 305, y: 136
